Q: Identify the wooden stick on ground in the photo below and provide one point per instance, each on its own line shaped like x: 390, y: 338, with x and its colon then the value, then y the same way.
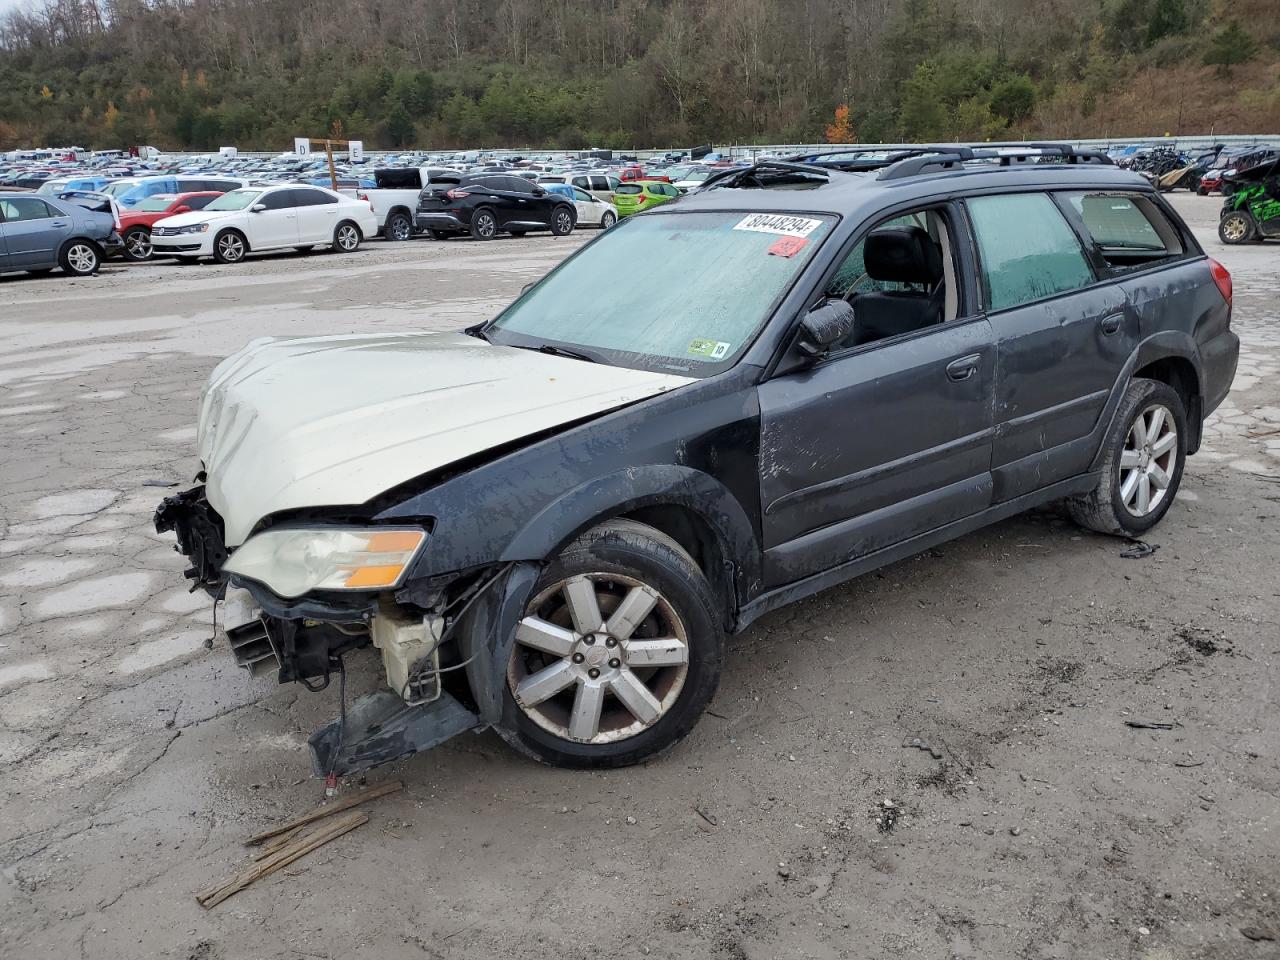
x: 212, y: 896
x: 319, y: 813
x: 274, y: 844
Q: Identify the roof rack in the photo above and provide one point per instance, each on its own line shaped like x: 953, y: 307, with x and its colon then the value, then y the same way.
x: 871, y: 158
x: 952, y: 157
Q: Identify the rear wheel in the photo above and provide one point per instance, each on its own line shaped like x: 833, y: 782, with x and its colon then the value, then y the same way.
x: 1236, y: 227
x: 607, y: 220
x: 346, y: 238
x: 484, y: 225
x: 80, y: 258
x: 562, y: 222
x: 137, y: 244
x: 618, y: 653
x: 1145, y: 451
x: 230, y: 246
x: 398, y: 227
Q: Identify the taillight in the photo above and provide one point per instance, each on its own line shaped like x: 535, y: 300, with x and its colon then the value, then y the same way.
x: 457, y: 194
x: 1222, y: 277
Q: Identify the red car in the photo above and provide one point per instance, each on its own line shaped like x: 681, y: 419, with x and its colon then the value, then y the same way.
x: 633, y: 172
x: 136, y: 223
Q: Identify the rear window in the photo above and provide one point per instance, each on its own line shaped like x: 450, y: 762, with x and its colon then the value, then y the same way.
x: 629, y: 188
x: 1028, y: 249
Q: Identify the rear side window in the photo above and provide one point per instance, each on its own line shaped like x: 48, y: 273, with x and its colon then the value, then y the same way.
x: 1130, y: 230
x: 1028, y: 249
x: 17, y: 209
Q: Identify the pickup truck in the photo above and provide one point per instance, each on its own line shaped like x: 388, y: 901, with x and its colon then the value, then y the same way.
x: 395, y: 197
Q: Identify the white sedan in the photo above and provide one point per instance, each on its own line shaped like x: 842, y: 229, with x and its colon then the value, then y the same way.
x: 254, y: 219
x: 592, y: 211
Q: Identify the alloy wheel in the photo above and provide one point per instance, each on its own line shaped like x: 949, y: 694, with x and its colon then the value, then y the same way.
x: 1147, y: 460
x: 598, y: 658
x: 139, y: 244
x: 83, y: 258
x: 486, y: 226
x: 563, y: 222
x: 607, y: 221
x: 401, y: 229
x: 1234, y: 228
x: 231, y: 247
x: 348, y: 239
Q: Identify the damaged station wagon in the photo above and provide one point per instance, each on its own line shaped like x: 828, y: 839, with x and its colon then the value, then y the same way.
x: 548, y: 523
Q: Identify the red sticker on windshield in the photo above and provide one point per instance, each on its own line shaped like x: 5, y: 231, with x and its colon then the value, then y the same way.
x: 787, y: 246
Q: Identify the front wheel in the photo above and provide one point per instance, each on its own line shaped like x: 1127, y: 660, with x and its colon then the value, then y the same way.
x: 346, y: 238
x: 1236, y: 227
x: 607, y: 220
x: 1144, y: 454
x: 137, y: 245
x: 562, y: 222
x: 230, y: 247
x: 80, y: 258
x: 618, y: 653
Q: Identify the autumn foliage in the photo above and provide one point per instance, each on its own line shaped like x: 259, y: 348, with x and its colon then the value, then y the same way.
x: 841, y: 131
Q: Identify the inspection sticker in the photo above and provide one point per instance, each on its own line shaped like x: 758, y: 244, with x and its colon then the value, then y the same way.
x: 778, y: 223
x: 715, y: 349
x: 787, y: 246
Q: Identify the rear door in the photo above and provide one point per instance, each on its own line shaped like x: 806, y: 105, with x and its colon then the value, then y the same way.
x: 317, y: 215
x: 33, y: 232
x: 1063, y: 335
x: 277, y: 225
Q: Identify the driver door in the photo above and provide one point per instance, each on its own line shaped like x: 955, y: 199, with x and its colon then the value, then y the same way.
x: 890, y: 435
x: 277, y: 225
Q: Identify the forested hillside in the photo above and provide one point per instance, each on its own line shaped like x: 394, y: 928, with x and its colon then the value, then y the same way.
x: 197, y: 74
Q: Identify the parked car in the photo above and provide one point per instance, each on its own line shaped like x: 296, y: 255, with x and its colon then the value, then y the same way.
x: 548, y: 523
x: 641, y: 195
x: 394, y: 197
x: 693, y: 177
x: 56, y: 185
x: 598, y: 184
x: 253, y: 219
x: 1251, y: 210
x: 591, y: 210
x: 130, y: 191
x: 135, y: 225
x: 486, y: 204
x: 38, y: 234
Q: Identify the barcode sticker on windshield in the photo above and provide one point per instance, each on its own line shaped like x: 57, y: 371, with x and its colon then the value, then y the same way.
x: 779, y: 224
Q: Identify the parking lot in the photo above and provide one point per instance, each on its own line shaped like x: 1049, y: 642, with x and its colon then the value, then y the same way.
x: 793, y: 823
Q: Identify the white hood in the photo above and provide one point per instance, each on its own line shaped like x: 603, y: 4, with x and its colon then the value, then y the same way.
x: 332, y: 421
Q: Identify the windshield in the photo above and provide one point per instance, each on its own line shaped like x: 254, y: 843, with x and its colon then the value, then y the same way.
x: 50, y: 187
x: 697, y: 175
x: 154, y: 204
x: 120, y: 187
x: 235, y: 200
x: 721, y: 275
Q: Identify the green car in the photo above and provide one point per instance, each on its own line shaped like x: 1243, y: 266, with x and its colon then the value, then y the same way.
x: 640, y: 195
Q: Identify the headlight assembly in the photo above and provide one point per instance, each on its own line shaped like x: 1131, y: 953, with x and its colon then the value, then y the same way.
x: 293, y: 562
x: 194, y: 228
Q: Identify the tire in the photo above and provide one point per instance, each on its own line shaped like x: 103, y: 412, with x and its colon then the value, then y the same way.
x: 230, y: 246
x: 607, y: 220
x: 346, y: 237
x: 562, y: 221
x: 137, y: 245
x: 1201, y: 191
x: 1237, y: 227
x: 440, y: 234
x: 398, y: 227
x: 1129, y: 453
x: 80, y: 258
x: 617, y: 561
x: 484, y: 225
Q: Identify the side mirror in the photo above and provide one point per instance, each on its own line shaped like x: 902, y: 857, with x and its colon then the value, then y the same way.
x: 539, y: 192
x: 824, y: 326
x: 258, y: 207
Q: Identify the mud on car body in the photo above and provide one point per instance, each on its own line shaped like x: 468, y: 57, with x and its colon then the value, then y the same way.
x: 549, y: 523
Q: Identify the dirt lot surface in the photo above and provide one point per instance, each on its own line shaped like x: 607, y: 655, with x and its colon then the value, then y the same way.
x: 133, y: 761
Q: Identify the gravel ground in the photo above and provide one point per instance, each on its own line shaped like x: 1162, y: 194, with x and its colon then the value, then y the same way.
x: 793, y: 823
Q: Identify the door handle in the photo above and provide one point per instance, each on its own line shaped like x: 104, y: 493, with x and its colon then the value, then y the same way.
x: 961, y: 370
x: 1111, y: 324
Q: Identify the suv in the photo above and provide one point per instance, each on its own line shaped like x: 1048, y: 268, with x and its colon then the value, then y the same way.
x: 486, y: 204
x: 550, y: 522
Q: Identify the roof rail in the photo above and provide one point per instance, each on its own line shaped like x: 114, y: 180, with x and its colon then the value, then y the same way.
x: 857, y: 156
x: 955, y: 157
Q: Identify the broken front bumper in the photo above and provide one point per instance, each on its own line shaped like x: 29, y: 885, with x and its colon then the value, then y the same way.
x: 200, y: 536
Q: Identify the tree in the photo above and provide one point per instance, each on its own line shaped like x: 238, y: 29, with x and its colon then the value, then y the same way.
x: 923, y: 115
x: 1230, y: 45
x: 399, y: 126
x: 1013, y: 99
x: 841, y: 131
x: 1167, y: 19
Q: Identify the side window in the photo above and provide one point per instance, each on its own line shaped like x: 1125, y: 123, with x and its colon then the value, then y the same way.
x: 1027, y: 248
x: 581, y: 195
x: 599, y: 183
x: 900, y: 277
x: 279, y: 200
x: 198, y: 203
x: 1129, y: 230
x: 18, y: 209
x: 311, y: 198
x: 582, y: 183
x: 518, y: 185
x: 613, y: 182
